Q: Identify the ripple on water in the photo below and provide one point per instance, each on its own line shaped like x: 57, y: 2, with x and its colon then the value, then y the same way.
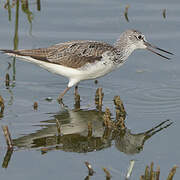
x: 155, y: 99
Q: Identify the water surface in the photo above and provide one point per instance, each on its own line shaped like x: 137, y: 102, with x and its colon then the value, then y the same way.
x: 148, y: 86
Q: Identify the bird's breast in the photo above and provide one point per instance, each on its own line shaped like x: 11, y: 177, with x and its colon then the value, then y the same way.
x: 99, y: 68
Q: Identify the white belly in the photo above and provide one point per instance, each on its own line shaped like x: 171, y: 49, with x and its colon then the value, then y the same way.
x: 90, y: 71
x: 95, y: 70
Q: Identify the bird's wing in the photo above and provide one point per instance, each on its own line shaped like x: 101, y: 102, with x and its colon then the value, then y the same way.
x: 72, y: 54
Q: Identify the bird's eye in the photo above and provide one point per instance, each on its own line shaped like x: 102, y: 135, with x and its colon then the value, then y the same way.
x: 140, y: 37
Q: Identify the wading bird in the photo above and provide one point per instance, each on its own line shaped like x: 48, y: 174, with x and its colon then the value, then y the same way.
x: 83, y: 59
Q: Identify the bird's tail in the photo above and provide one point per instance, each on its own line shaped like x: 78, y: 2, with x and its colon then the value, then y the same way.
x: 10, y: 52
x: 27, y: 55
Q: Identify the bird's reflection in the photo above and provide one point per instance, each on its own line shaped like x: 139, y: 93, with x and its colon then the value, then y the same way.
x: 68, y: 130
x: 75, y: 138
x: 130, y: 143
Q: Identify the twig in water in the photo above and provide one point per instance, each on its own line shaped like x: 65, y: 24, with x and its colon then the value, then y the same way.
x: 2, y: 105
x: 158, y: 173
x: 107, y: 119
x: 96, y: 81
x: 58, y: 127
x: 120, y: 110
x: 126, y: 13
x: 164, y: 13
x: 172, y: 173
x: 108, y: 175
x: 89, y: 129
x: 90, y: 169
x: 150, y: 174
x: 99, y: 98
x: 38, y: 5
x: 35, y: 105
x: 129, y: 172
x: 7, y: 80
x: 7, y: 137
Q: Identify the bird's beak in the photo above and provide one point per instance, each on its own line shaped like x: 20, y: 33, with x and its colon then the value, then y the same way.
x: 151, y: 48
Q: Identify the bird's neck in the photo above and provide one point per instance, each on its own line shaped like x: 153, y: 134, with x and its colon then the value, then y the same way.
x: 123, y: 49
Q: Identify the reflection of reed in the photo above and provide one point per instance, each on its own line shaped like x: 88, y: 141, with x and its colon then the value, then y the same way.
x: 7, y: 158
x: 38, y: 5
x: 9, y: 146
x: 126, y: 13
x: 8, y: 7
x: 16, y: 38
x: 25, y: 8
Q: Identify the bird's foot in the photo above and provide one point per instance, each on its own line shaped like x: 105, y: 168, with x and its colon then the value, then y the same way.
x: 62, y: 95
x: 61, y: 103
x: 60, y: 99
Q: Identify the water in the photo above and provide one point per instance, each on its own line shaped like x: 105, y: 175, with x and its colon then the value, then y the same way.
x: 148, y: 85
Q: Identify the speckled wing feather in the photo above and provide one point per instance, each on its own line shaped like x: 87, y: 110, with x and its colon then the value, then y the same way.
x: 72, y: 54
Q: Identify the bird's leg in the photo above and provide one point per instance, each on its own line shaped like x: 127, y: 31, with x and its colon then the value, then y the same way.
x: 62, y: 94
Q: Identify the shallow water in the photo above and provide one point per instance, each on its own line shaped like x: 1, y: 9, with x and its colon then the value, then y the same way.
x: 148, y: 86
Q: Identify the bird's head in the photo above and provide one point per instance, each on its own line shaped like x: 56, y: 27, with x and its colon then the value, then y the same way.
x: 133, y: 39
